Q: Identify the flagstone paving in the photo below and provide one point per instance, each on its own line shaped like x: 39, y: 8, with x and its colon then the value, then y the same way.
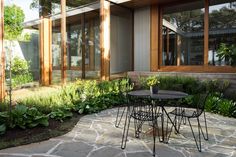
x: 95, y: 136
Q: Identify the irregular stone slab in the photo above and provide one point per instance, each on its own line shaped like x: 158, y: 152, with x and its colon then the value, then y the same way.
x: 87, y: 135
x: 106, y: 152
x: 165, y: 151
x: 16, y: 155
x: 39, y: 155
x: 207, y: 154
x: 139, y: 154
x: 34, y: 148
x: 72, y: 149
x: 222, y: 149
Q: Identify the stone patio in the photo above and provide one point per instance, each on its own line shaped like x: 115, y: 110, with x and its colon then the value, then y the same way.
x: 96, y: 136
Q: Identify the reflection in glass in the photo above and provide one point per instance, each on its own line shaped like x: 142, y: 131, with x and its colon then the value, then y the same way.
x: 184, y: 22
x: 222, y: 28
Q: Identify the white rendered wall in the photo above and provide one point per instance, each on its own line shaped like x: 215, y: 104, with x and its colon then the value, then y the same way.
x: 121, y: 44
x: 142, y: 39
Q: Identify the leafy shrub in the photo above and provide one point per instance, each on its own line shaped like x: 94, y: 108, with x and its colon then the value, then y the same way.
x: 96, y: 96
x: 19, y: 66
x: 25, y: 117
x: 20, y: 72
x: 3, y: 119
x: 21, y: 79
x: 60, y: 114
x: 215, y: 103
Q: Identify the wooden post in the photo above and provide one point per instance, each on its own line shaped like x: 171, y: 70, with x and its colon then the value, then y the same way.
x: 105, y: 39
x: 178, y: 49
x: 160, y: 38
x: 206, y: 32
x: 63, y: 41
x: 154, y: 37
x: 2, y: 53
x: 45, y: 51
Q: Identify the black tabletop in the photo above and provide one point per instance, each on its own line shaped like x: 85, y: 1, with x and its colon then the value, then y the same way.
x: 162, y: 94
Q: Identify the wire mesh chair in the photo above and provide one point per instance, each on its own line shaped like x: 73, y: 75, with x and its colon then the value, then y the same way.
x: 141, y: 109
x: 121, y: 108
x: 190, y: 113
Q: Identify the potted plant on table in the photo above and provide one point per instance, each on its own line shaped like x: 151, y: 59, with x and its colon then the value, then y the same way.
x: 152, y: 82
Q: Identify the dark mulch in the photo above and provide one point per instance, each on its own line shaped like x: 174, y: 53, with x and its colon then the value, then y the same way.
x: 17, y: 136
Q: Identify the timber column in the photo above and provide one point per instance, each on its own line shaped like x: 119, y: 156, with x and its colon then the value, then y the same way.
x: 63, y: 42
x: 105, y: 39
x: 2, y: 53
x: 154, y: 34
x: 45, y: 30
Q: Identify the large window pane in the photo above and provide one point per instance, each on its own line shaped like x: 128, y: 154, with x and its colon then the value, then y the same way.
x: 185, y: 21
x: 222, y: 29
x: 92, y: 48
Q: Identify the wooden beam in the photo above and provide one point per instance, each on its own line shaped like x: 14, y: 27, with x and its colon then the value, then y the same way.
x: 206, y: 32
x: 45, y: 51
x: 199, y: 69
x: 178, y: 37
x: 63, y: 41
x: 105, y: 39
x: 2, y: 53
x: 154, y: 37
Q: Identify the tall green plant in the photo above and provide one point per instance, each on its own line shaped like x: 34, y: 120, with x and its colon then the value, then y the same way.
x: 227, y: 52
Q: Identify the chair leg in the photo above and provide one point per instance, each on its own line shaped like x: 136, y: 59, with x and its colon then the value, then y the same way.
x: 205, y: 136
x: 117, y: 123
x: 198, y: 142
x: 154, y: 137
x: 126, y: 129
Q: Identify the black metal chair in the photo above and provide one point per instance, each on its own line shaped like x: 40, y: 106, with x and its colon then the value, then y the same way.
x: 120, y: 111
x: 190, y: 113
x: 121, y: 108
x: 141, y: 109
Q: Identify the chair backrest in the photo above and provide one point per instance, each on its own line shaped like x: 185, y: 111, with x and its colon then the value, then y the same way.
x: 142, y: 108
x: 200, y: 100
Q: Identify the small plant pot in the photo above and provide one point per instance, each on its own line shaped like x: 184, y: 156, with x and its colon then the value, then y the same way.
x: 154, y: 89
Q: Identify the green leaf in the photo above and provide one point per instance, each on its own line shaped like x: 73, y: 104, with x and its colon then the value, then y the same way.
x: 2, y: 129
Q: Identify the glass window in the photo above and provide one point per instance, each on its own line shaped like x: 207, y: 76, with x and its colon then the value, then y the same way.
x: 184, y: 22
x: 222, y: 29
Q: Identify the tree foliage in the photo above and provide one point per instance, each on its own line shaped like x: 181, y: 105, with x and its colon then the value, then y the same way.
x: 193, y: 21
x: 13, y: 22
x: 223, y: 18
x: 50, y: 6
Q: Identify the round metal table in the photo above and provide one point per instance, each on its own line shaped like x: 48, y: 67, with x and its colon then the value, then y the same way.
x: 160, y: 98
x: 161, y: 95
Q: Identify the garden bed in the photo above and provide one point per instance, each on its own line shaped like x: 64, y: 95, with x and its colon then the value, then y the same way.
x: 17, y: 136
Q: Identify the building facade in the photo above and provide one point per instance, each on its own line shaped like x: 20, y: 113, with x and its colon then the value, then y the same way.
x: 96, y: 39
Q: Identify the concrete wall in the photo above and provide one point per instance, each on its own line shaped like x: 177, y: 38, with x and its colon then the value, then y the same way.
x: 142, y: 39
x: 121, y: 44
x: 28, y: 50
